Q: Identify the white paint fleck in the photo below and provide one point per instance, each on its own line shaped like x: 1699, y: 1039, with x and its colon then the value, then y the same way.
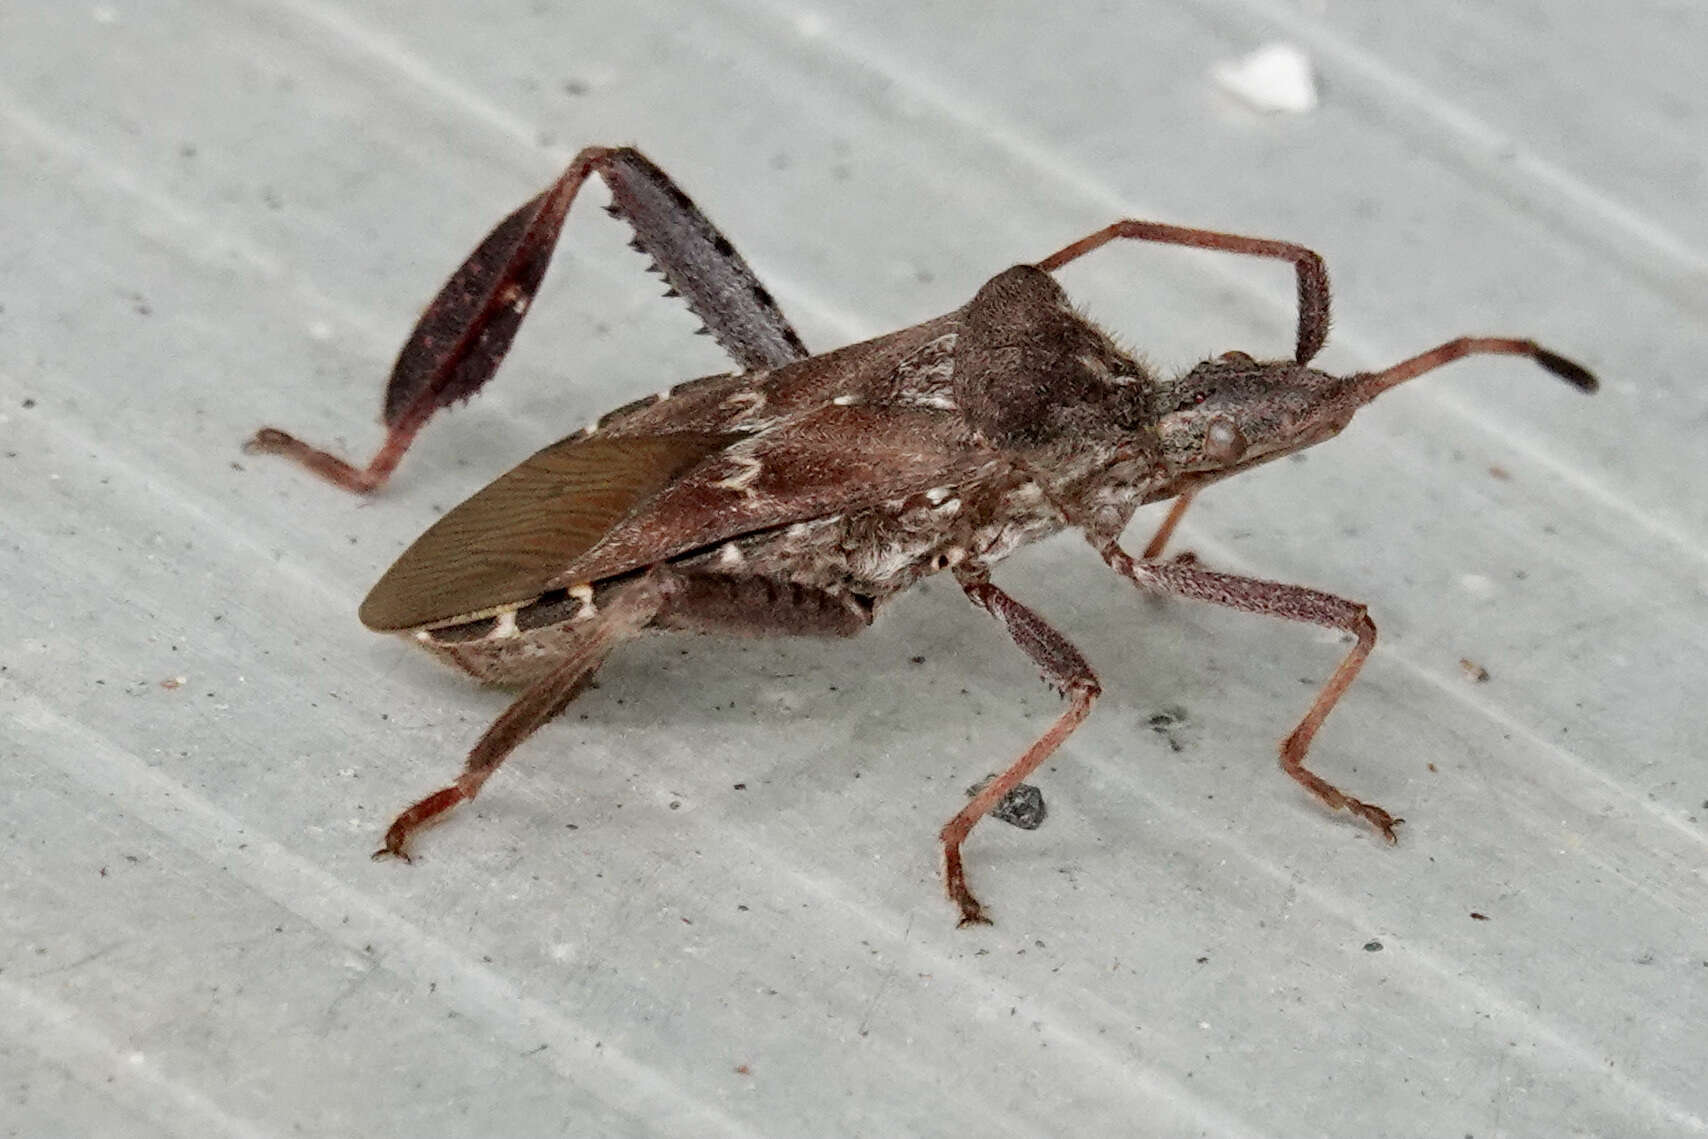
x: 506, y: 626
x: 583, y: 594
x: 730, y: 555
x: 845, y: 400
x: 1477, y: 585
x: 1276, y: 78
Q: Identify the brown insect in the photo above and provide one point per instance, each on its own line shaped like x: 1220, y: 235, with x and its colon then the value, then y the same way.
x: 797, y: 495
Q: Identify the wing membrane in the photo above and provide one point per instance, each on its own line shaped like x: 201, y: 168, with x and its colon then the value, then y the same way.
x: 506, y: 543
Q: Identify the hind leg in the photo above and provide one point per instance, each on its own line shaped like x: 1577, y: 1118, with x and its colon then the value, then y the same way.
x: 466, y: 331
x: 664, y: 598
x: 629, y: 610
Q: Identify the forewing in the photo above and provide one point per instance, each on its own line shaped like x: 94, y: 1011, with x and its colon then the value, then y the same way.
x: 832, y: 460
x: 508, y: 542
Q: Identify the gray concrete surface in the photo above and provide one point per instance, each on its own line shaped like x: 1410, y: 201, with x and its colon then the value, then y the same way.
x: 218, y: 215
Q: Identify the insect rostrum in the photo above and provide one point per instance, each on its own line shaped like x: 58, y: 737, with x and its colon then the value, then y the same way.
x: 793, y: 497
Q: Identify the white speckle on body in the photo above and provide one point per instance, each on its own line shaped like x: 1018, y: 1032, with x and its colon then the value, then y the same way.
x: 743, y: 479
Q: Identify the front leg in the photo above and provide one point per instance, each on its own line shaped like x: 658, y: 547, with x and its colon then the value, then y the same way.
x: 1294, y: 603
x: 466, y: 330
x: 1063, y: 668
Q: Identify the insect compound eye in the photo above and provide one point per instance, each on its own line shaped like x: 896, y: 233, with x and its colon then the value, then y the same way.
x: 1223, y: 442
x: 1192, y: 400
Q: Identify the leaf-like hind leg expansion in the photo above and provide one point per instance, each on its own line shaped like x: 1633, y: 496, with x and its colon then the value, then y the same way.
x: 1294, y: 603
x: 466, y: 330
x: 623, y: 616
x: 1312, y: 273
x: 1066, y: 670
x: 699, y: 264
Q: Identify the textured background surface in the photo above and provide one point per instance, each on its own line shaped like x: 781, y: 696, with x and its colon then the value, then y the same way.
x: 218, y: 215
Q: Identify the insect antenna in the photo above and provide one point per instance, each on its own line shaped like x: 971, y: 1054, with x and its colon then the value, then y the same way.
x: 1372, y: 384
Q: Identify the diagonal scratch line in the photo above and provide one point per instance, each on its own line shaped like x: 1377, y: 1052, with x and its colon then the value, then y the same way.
x: 1448, y: 974
x: 55, y: 1031
x: 353, y: 919
x: 1380, y: 75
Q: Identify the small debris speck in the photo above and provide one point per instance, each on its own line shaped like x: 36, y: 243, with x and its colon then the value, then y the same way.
x: 1475, y: 916
x: 172, y: 682
x: 1474, y: 672
x: 1023, y: 807
x: 1372, y: 947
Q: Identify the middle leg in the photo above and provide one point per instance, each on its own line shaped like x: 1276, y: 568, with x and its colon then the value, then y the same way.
x: 1065, y: 669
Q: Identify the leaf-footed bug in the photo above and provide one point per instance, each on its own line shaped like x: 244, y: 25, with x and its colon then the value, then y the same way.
x: 795, y: 496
